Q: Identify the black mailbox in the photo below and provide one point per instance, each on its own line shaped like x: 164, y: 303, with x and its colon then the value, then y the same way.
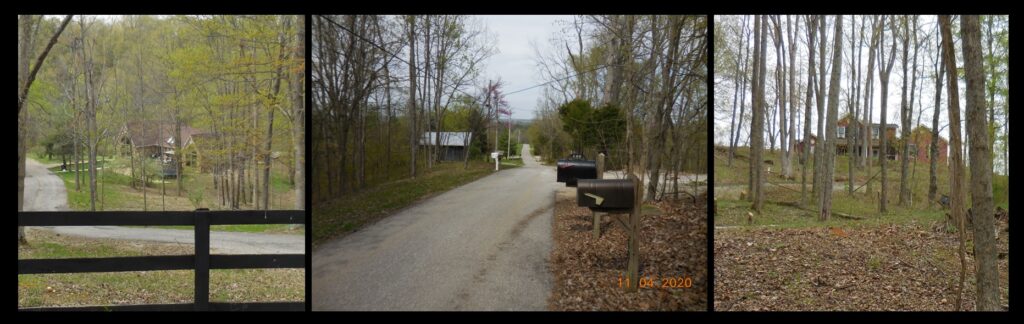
x: 605, y: 195
x: 570, y: 170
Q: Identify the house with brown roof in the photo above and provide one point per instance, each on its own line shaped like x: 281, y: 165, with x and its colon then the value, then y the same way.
x: 157, y: 140
x: 848, y: 138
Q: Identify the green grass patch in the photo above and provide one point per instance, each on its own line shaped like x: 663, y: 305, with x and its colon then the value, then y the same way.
x: 115, y: 192
x: 511, y: 163
x: 138, y: 287
x: 44, y: 159
x: 730, y: 180
x: 109, y: 193
x: 246, y: 228
x: 354, y: 210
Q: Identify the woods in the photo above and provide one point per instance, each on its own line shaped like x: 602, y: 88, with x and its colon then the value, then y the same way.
x: 137, y: 104
x: 632, y: 87
x: 380, y: 83
x: 859, y: 162
x: 853, y: 135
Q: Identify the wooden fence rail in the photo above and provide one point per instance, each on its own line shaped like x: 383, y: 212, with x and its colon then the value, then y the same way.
x: 201, y: 262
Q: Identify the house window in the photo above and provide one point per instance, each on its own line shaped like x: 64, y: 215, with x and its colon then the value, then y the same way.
x: 874, y: 132
x: 842, y: 132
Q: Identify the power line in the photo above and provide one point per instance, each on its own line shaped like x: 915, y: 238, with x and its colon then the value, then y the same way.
x: 563, y: 79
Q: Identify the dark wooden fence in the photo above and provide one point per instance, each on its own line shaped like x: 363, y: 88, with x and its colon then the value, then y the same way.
x: 201, y: 262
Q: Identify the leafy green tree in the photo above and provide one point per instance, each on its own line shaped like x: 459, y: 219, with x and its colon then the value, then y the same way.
x: 589, y: 127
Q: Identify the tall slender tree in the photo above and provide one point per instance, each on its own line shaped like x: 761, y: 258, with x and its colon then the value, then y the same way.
x: 757, y: 124
x: 829, y: 149
x: 987, y: 270
x: 812, y: 30
x: 956, y: 165
x: 884, y: 68
x: 933, y: 150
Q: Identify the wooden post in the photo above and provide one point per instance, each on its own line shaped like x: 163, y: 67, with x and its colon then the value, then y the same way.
x: 202, y: 255
x: 633, y: 267
x: 597, y: 215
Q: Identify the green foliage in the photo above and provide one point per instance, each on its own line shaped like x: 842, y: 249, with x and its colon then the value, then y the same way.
x: 1001, y: 191
x: 195, y: 193
x: 589, y: 127
x: 546, y: 135
x: 576, y: 120
x: 467, y: 115
x: 218, y: 74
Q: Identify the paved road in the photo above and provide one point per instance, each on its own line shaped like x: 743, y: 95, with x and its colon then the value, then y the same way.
x: 481, y: 246
x: 44, y: 191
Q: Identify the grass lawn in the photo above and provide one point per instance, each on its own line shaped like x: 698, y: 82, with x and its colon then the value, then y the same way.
x: 730, y: 180
x: 511, y: 163
x: 137, y: 287
x: 355, y: 210
x: 38, y: 155
x: 247, y: 228
x: 115, y: 193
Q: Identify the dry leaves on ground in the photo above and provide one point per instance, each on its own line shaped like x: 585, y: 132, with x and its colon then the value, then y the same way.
x: 587, y: 271
x: 885, y: 268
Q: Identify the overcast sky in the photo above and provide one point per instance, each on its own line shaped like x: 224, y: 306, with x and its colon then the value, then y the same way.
x: 515, y: 62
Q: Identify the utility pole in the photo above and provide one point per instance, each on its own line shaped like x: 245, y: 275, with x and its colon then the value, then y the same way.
x: 497, y: 125
x: 519, y: 137
x: 508, y: 143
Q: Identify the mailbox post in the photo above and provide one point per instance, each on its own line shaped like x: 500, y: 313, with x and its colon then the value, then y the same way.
x: 494, y: 155
x: 617, y: 196
x: 633, y: 265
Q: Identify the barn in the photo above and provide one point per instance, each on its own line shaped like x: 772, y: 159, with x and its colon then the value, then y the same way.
x: 451, y: 145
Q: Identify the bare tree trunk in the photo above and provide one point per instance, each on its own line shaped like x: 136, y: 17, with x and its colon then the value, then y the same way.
x: 24, y: 50
x: 866, y: 137
x: 811, y: 33
x: 299, y: 116
x: 829, y: 149
x: 910, y: 111
x: 740, y: 78
x: 956, y: 158
x: 743, y: 92
x: 177, y: 146
x: 90, y: 115
x: 933, y: 150
x: 820, y: 96
x: 387, y: 126
x: 883, y: 148
x: 787, y: 170
x: 757, y: 125
x: 425, y: 103
x: 987, y: 270
x: 991, y: 88
x: 905, y: 114
x: 412, y: 95
x: 780, y: 72
x: 850, y: 138
x: 664, y: 106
